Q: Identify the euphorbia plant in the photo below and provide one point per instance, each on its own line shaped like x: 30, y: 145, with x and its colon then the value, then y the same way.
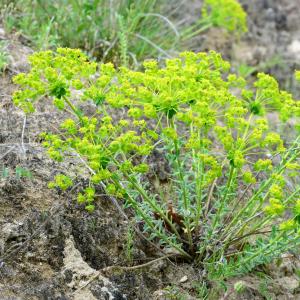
x: 227, y: 14
x: 231, y: 202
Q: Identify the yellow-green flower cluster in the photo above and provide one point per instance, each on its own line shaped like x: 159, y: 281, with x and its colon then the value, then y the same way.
x: 289, y: 225
x: 248, y: 177
x: 227, y: 14
x: 53, y: 74
x: 268, y: 92
x: 106, y: 147
x: 61, y: 181
x: 212, y: 126
x: 275, y: 208
x: 190, y: 91
x: 263, y: 164
x: 213, y: 169
x: 87, y: 198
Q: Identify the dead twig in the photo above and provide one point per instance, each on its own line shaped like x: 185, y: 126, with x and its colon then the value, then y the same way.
x: 22, y: 136
x: 7, y: 152
x: 210, y: 194
x: 109, y: 269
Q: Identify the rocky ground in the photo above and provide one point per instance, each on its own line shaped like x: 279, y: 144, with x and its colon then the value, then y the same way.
x: 52, y: 249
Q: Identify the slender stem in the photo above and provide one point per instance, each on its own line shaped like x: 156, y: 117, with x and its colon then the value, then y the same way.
x: 218, y: 214
x: 209, y: 198
x: 220, y: 210
x: 199, y: 181
x: 155, y: 207
x: 159, y: 234
x: 266, y: 250
x: 150, y: 223
x: 253, y: 198
x: 186, y: 202
x: 263, y: 222
x: 263, y: 250
x: 73, y: 108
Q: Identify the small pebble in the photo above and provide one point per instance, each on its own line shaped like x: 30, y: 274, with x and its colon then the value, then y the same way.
x: 183, y: 279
